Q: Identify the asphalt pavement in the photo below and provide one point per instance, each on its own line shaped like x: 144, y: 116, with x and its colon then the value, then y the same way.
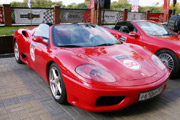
x: 24, y: 95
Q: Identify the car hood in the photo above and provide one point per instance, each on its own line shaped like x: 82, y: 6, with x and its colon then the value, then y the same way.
x: 119, y: 60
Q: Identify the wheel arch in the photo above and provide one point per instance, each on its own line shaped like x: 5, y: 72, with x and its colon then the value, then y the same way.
x: 164, y: 49
x: 47, y: 69
x: 176, y: 59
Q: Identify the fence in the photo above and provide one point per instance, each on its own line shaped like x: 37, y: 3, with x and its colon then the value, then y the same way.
x: 43, y: 15
x: 157, y: 17
x: 75, y: 15
x: 34, y: 15
x: 111, y: 17
x: 63, y: 15
x: 136, y: 16
x: 84, y: 16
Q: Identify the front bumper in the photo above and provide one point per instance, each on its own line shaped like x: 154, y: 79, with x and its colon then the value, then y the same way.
x: 85, y: 96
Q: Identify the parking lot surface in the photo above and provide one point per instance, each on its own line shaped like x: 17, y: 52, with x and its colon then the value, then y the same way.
x: 24, y: 95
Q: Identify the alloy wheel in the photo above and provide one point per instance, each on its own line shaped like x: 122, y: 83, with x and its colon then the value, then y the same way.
x: 55, y: 83
x: 167, y: 60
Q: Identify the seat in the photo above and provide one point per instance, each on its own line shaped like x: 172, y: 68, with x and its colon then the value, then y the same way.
x: 124, y: 29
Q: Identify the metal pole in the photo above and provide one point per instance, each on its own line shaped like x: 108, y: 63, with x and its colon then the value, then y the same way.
x: 97, y: 11
x: 31, y: 17
x: 29, y: 5
x: 174, y: 3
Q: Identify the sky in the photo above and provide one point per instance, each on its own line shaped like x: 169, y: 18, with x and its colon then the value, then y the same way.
x: 67, y: 2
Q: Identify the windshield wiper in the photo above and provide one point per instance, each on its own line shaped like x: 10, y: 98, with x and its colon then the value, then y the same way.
x: 105, y: 44
x: 166, y: 34
x: 169, y: 34
x: 69, y: 46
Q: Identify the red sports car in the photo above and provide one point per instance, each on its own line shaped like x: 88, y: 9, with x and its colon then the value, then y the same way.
x: 154, y: 37
x: 88, y: 67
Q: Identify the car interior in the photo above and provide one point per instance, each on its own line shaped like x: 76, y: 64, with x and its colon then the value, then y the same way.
x: 125, y: 27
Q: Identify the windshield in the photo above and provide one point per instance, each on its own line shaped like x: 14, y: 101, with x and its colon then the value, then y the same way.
x: 153, y: 28
x: 82, y: 35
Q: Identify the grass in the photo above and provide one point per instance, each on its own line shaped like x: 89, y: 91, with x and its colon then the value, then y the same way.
x: 10, y: 29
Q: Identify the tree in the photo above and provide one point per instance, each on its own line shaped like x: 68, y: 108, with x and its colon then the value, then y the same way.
x: 36, y: 3
x: 152, y: 9
x: 118, y: 5
x: 122, y: 1
x: 72, y: 5
x: 82, y: 6
x: 18, y: 4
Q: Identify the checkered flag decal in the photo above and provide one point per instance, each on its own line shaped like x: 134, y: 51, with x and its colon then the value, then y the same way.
x: 143, y: 16
x: 48, y: 16
x: 119, y: 17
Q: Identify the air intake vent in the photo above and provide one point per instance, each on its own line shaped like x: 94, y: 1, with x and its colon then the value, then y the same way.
x: 109, y: 100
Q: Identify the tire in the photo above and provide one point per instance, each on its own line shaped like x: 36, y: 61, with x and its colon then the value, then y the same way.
x: 57, y: 85
x: 171, y: 60
x: 16, y: 53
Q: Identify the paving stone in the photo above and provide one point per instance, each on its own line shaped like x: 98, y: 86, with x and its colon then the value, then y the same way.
x: 48, y: 108
x: 62, y: 116
x: 25, y: 93
x: 2, y: 111
x: 27, y: 119
x: 45, y: 117
x: 14, y: 108
x: 26, y: 98
x: 7, y: 102
x: 15, y: 100
x: 1, y: 103
x: 36, y: 95
x: 23, y: 114
x: 2, y: 90
x: 38, y: 112
x: 27, y: 105
x: 35, y: 103
x: 77, y: 113
x: 14, y: 116
x: 36, y: 117
x: 8, y: 95
x: 4, y: 117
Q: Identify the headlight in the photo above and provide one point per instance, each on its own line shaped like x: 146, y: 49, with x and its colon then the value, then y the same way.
x: 94, y: 72
x: 158, y: 62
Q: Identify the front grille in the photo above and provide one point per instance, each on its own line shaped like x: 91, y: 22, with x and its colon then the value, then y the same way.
x: 109, y: 100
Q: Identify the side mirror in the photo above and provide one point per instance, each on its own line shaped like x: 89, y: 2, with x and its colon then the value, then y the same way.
x: 133, y: 34
x: 39, y: 39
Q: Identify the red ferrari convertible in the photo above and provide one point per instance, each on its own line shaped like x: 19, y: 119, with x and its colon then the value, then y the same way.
x: 88, y: 67
x: 154, y: 37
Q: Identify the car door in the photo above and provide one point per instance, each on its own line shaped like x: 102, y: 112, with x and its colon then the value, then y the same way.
x: 125, y: 28
x: 146, y: 38
x: 38, y: 51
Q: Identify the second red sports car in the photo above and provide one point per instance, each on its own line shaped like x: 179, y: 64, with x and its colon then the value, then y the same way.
x: 154, y: 37
x: 88, y: 67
